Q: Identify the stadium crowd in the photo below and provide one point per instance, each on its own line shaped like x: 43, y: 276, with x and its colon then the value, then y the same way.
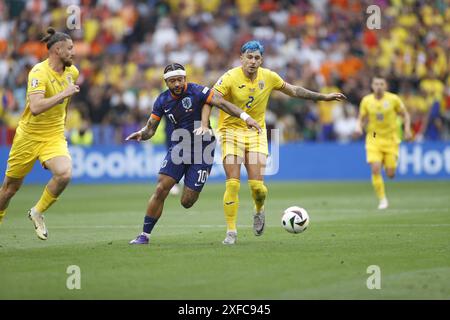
x: 323, y: 45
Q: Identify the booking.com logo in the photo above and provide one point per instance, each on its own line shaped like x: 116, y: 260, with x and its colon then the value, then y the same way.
x: 134, y: 162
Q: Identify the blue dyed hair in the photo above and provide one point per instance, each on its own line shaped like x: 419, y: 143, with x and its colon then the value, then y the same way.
x: 252, y: 46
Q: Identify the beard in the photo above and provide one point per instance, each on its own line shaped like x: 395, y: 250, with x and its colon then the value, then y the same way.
x: 66, y: 62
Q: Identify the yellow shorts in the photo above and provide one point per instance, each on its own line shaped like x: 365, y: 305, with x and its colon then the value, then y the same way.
x: 384, y: 152
x: 24, y: 153
x: 238, y: 143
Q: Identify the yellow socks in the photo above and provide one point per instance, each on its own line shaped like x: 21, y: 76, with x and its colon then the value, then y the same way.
x: 378, y: 185
x: 46, y: 200
x: 2, y: 214
x: 231, y: 202
x: 259, y: 193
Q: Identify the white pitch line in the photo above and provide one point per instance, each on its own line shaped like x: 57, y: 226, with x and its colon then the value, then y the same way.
x: 310, y: 210
x: 354, y: 210
x: 136, y: 226
x: 417, y: 225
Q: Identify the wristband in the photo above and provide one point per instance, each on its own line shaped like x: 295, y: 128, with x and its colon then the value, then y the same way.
x: 244, y: 116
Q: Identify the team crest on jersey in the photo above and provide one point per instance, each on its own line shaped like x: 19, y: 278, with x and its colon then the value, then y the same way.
x: 34, y: 83
x: 261, y: 84
x: 187, y: 103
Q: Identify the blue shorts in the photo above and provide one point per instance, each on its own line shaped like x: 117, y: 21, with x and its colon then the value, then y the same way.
x: 195, y: 172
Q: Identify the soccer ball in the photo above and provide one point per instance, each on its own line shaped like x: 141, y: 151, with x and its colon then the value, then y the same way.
x: 295, y: 219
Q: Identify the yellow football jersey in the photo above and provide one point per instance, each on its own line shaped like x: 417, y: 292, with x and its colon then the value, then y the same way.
x: 49, y: 124
x: 250, y: 96
x: 382, y: 116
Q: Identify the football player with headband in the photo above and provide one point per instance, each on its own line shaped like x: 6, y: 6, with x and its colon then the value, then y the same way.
x: 191, y: 154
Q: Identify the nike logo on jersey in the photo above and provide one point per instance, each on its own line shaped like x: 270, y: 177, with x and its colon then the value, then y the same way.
x: 241, y: 86
x: 166, y: 110
x: 197, y: 184
x: 228, y: 203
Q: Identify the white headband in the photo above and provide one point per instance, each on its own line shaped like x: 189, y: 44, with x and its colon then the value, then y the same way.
x: 173, y: 73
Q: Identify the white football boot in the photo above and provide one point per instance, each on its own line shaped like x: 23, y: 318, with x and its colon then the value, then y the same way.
x: 383, y: 204
x: 231, y: 238
x: 259, y: 221
x: 39, y: 225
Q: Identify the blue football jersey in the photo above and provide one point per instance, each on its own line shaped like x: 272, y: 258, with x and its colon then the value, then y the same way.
x: 184, y: 158
x: 184, y: 110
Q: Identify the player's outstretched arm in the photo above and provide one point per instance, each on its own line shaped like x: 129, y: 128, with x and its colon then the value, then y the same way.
x: 146, y: 132
x: 219, y: 102
x: 300, y: 92
x: 204, y: 126
x: 39, y: 104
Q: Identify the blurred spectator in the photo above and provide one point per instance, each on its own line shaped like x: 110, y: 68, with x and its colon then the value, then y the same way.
x: 345, y: 125
x: 130, y: 125
x: 326, y: 115
x: 416, y: 106
x: 322, y: 45
x: 432, y: 126
x: 310, y: 127
x: 82, y: 136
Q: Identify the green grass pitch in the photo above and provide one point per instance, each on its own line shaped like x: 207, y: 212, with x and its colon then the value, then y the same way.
x: 90, y: 227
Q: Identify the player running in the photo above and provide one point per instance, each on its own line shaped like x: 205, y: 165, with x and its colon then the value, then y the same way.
x: 380, y: 110
x: 193, y: 156
x: 40, y: 133
x: 249, y: 87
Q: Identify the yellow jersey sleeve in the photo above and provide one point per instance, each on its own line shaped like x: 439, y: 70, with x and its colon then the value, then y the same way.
x: 398, y: 104
x: 223, y: 85
x: 75, y: 73
x: 363, y: 107
x: 37, y: 80
x: 276, y: 80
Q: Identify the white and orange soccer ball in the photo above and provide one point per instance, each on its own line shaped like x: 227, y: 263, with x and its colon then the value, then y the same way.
x: 295, y: 219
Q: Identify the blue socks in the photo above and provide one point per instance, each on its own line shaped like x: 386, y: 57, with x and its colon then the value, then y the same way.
x: 149, y: 223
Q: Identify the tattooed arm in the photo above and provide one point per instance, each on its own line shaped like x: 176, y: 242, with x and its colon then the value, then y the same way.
x: 302, y: 93
x: 146, y: 132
